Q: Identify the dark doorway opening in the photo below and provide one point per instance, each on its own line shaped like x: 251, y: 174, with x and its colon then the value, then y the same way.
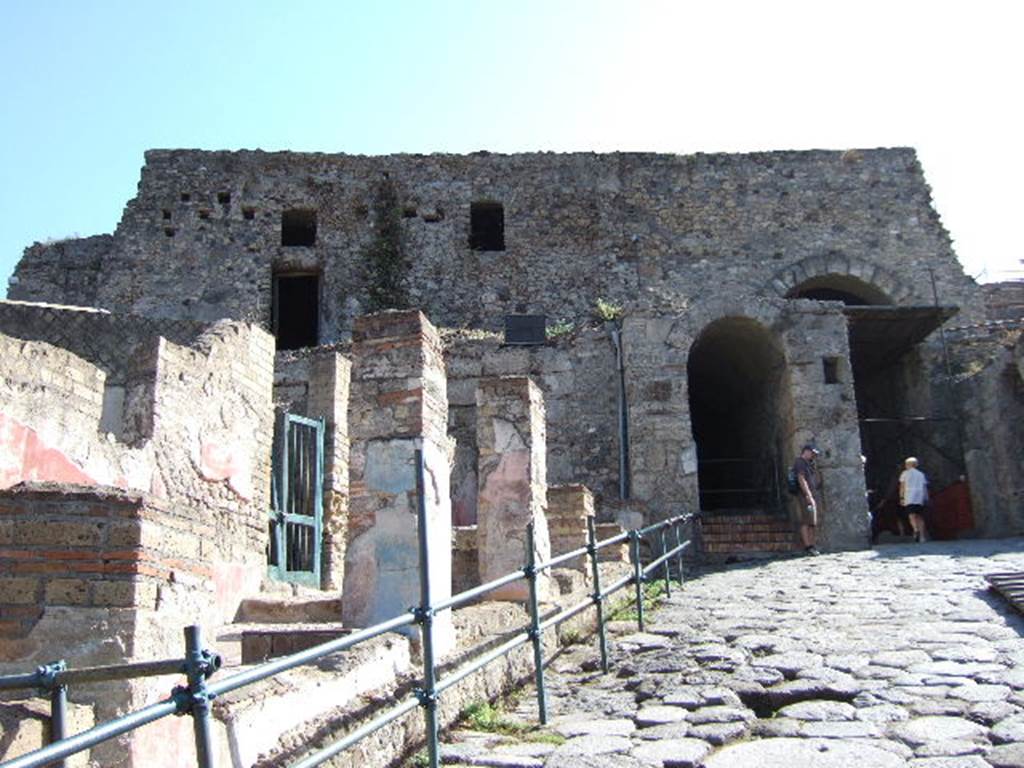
x: 296, y: 310
x: 737, y: 410
x: 487, y: 227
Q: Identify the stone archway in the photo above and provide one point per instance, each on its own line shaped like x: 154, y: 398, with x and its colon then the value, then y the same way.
x: 738, y: 398
x: 849, y: 275
x: 890, y: 389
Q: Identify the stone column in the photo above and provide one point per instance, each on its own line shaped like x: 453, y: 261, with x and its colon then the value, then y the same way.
x: 511, y: 441
x: 398, y: 404
x: 569, y: 506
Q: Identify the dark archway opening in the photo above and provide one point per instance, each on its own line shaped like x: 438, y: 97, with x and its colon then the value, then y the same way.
x: 737, y: 409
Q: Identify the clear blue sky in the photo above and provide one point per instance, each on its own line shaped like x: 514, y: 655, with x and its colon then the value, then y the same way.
x: 88, y: 85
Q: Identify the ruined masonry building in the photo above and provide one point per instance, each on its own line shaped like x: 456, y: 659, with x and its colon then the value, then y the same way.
x: 706, y: 316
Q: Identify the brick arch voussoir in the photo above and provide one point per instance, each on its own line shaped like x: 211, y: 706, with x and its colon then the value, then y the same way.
x: 793, y: 275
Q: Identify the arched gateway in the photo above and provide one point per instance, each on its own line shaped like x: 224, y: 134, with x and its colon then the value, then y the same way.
x: 739, y: 406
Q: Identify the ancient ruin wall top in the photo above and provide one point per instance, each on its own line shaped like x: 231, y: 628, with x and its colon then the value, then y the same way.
x: 469, y: 238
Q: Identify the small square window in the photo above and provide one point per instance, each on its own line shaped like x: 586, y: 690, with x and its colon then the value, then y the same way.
x: 831, y: 369
x: 224, y: 198
x: 248, y: 213
x: 487, y: 227
x: 298, y: 228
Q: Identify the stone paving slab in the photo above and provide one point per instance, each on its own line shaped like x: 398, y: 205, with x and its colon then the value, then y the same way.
x: 898, y: 656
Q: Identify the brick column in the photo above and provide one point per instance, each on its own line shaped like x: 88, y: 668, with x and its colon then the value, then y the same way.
x: 511, y: 440
x: 328, y: 398
x: 398, y: 404
x: 569, y: 506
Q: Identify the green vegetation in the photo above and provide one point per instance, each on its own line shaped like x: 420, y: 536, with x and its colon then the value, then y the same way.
x: 489, y: 718
x: 608, y: 311
x: 625, y: 610
x: 560, y: 328
x: 386, y: 264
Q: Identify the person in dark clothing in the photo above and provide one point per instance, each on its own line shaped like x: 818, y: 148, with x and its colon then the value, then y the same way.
x: 809, y: 482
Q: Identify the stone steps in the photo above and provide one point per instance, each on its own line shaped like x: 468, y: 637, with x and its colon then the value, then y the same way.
x: 747, y: 534
x: 271, y: 625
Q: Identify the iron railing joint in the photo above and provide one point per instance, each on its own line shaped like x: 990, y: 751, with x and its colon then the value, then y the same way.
x: 425, y: 698
x: 422, y: 615
x: 188, y: 701
x: 47, y: 675
x: 530, y: 571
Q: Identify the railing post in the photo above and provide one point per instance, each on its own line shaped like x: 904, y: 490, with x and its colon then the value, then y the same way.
x: 58, y: 717
x: 638, y: 578
x: 535, y: 633
x: 425, y: 613
x: 678, y: 528
x: 58, y: 703
x: 602, y: 640
x: 197, y: 669
x: 665, y: 563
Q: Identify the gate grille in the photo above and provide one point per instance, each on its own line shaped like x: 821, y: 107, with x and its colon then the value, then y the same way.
x: 293, y: 551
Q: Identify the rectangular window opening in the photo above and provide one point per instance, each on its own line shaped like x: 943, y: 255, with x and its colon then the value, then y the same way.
x: 296, y: 310
x: 224, y: 198
x: 298, y: 228
x: 248, y: 214
x: 831, y: 367
x: 487, y: 227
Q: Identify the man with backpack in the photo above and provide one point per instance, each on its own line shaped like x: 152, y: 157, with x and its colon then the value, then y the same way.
x: 805, y: 483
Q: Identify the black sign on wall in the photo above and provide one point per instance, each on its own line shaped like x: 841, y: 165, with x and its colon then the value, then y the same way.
x: 525, y: 329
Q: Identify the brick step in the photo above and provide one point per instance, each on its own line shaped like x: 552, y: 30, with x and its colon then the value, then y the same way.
x: 746, y: 534
x: 746, y: 528
x: 267, y: 641
x: 750, y: 539
x: 753, y: 518
x: 728, y: 548
x: 307, y: 609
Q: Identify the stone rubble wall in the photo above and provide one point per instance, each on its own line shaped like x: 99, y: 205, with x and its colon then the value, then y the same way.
x: 990, y: 395
x: 637, y: 229
x: 577, y: 376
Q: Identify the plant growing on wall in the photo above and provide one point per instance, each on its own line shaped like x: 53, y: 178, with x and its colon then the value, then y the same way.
x: 608, y: 311
x: 385, y: 262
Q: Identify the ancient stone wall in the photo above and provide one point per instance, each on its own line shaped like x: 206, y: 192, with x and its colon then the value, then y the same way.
x: 204, y: 235
x: 990, y: 395
x: 194, y: 422
x: 577, y: 375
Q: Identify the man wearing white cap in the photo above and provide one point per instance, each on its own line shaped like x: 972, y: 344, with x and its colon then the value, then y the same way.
x: 913, y: 497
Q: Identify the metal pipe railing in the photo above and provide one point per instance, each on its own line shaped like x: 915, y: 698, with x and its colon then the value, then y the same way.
x: 199, y: 664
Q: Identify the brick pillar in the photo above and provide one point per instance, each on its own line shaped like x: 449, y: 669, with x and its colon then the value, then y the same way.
x: 328, y: 398
x: 569, y: 506
x: 511, y: 440
x: 398, y: 403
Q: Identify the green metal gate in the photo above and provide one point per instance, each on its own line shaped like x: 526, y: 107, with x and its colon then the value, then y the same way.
x: 296, y: 515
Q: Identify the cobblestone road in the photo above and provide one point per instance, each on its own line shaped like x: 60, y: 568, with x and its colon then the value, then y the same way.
x: 893, y: 657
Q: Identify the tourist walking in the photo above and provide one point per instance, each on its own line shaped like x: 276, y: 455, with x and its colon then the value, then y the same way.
x: 914, y: 497
x: 809, y: 484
